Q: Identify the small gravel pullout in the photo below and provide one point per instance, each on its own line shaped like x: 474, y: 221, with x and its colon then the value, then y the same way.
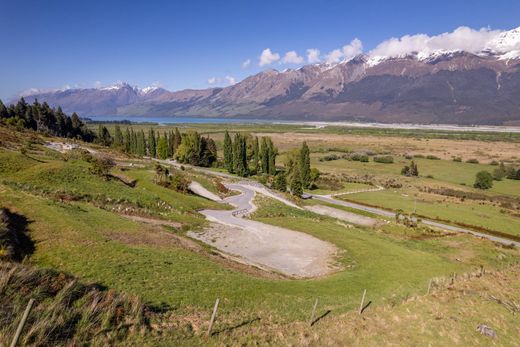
x: 289, y: 252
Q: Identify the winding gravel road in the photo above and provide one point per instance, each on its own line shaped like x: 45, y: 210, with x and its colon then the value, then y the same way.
x: 290, y: 252
x: 382, y: 212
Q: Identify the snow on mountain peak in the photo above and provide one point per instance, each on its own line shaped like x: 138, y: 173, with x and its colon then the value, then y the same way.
x: 149, y: 89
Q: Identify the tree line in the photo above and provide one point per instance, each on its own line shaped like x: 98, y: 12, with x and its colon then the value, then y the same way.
x: 246, y: 155
x: 44, y: 119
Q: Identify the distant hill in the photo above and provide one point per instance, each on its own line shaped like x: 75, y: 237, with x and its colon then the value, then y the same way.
x: 452, y: 87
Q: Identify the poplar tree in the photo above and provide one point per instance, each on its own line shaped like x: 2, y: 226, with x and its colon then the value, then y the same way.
x: 228, y: 152
x: 305, y: 165
x: 171, y: 141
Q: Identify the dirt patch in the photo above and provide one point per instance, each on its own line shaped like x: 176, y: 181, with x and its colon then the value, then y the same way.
x: 152, y: 221
x: 271, y: 248
x: 348, y: 217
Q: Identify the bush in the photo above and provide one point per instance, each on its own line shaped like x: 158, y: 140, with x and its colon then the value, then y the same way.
x: 418, y: 156
x: 472, y: 161
x: 359, y: 157
x: 457, y: 159
x: 432, y: 157
x: 280, y: 182
x: 385, y: 159
x: 179, y: 182
x: 101, y: 166
x: 494, y: 163
x: 408, y: 156
x: 483, y: 180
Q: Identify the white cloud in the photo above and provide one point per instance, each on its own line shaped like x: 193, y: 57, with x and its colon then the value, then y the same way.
x: 292, y: 57
x: 246, y: 63
x: 462, y: 38
x: 334, y: 56
x: 212, y: 80
x: 313, y: 55
x: 355, y: 47
x: 97, y: 84
x: 267, y: 57
x: 230, y: 80
x: 347, y: 52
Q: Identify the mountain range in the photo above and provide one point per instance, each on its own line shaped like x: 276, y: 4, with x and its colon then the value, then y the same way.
x: 439, y: 86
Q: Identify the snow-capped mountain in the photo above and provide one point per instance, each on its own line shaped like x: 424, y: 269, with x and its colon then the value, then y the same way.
x: 427, y: 86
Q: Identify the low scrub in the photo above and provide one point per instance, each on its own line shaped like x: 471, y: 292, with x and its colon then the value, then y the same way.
x: 385, y: 159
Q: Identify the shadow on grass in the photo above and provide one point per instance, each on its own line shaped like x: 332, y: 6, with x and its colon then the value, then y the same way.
x: 244, y: 323
x: 366, y: 306
x: 325, y: 314
x: 14, y: 235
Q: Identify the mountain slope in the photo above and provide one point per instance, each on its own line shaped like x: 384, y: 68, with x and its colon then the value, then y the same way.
x: 441, y: 86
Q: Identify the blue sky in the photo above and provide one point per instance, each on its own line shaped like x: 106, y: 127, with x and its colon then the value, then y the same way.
x: 54, y: 44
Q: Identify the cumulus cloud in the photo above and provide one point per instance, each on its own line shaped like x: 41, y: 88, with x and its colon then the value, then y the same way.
x: 355, y: 47
x: 267, y: 57
x: 347, y: 52
x: 230, y: 80
x: 212, y: 80
x: 292, y: 57
x: 313, y: 55
x: 246, y: 63
x: 462, y: 38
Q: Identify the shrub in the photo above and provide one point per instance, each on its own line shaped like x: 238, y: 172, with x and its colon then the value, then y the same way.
x: 418, y: 156
x: 280, y: 182
x: 101, y: 166
x: 432, y: 157
x: 472, y: 161
x: 494, y: 163
x: 359, y: 157
x: 179, y: 182
x: 483, y: 180
x: 385, y: 159
x: 408, y: 156
x: 457, y: 159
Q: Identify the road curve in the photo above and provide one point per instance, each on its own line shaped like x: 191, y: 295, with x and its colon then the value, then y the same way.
x: 429, y: 222
x: 377, y: 211
x: 290, y: 252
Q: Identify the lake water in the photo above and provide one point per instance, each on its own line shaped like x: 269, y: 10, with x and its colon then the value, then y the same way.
x: 314, y: 124
x: 178, y: 120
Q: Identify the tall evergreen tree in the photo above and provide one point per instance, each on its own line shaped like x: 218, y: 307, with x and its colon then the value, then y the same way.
x: 272, y: 153
x: 264, y: 156
x: 152, y: 148
x: 239, y: 155
x: 127, y: 141
x: 140, y: 147
x: 177, y: 140
x: 162, y: 147
x: 228, y: 152
x: 118, y: 137
x: 171, y: 141
x: 256, y: 155
x: 296, y: 182
x: 305, y: 165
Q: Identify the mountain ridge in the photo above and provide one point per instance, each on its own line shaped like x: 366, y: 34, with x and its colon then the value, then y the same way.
x: 430, y: 86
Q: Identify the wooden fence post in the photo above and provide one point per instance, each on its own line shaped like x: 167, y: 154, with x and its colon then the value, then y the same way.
x: 22, y: 323
x: 362, y: 301
x: 313, y: 312
x: 213, y: 315
x: 429, y: 287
